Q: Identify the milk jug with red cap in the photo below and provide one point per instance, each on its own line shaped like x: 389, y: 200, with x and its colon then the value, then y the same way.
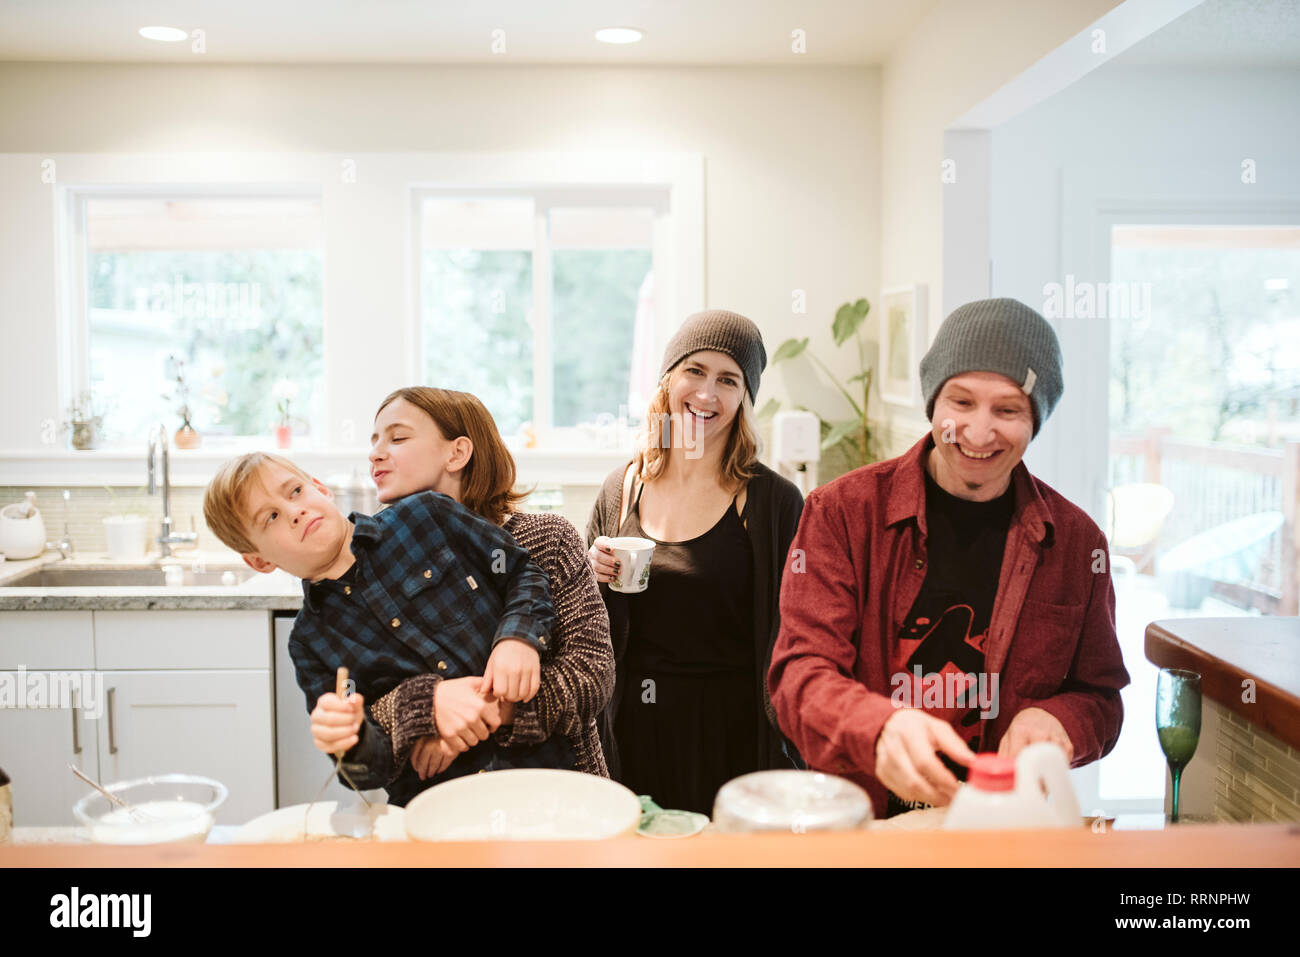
x: 1033, y: 791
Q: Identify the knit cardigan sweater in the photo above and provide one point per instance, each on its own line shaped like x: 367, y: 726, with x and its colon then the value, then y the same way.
x: 773, y: 505
x: 577, y: 677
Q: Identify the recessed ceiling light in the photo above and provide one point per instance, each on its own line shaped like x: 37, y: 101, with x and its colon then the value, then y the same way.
x: 166, y: 34
x: 618, y: 35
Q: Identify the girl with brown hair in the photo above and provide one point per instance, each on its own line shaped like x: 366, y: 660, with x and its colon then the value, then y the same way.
x: 445, y: 441
x: 691, y: 708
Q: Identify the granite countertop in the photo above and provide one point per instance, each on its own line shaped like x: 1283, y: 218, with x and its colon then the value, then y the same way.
x: 275, y: 591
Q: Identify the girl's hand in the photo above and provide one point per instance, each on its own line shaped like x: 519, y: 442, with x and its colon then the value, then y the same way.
x: 462, y: 716
x: 336, y: 722
x: 601, y: 558
x: 431, y: 755
x: 513, y: 672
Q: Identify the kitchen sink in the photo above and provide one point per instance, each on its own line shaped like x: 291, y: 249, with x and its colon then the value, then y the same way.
x: 69, y: 576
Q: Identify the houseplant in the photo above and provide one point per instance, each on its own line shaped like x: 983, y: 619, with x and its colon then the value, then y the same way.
x: 284, y: 392
x: 84, y: 422
x: 847, y: 443
x: 187, y: 437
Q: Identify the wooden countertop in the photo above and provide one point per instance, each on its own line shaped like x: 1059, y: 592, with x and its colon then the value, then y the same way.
x: 1226, y: 652
x: 1188, y: 845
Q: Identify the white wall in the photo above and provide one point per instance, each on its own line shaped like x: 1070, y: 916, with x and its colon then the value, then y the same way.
x: 960, y: 54
x: 1163, y: 137
x: 792, y: 171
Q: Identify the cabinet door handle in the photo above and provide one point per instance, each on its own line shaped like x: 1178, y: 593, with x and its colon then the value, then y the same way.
x: 112, y: 729
x: 76, y: 736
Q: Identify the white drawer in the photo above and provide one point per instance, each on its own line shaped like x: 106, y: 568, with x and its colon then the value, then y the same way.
x: 161, y: 640
x: 47, y: 640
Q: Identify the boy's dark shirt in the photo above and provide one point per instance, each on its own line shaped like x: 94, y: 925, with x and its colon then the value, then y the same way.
x: 429, y: 593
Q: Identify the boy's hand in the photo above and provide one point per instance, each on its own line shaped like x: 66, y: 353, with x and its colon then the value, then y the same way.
x: 336, y: 722
x: 462, y: 715
x: 431, y: 755
x: 513, y: 672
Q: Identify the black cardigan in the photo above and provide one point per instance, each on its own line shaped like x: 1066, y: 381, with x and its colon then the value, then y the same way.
x: 773, y: 504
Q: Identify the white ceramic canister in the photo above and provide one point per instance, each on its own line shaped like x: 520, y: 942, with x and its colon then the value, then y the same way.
x: 22, y: 530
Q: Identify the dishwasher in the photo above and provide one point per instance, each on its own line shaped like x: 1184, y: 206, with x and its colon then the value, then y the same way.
x: 300, y: 768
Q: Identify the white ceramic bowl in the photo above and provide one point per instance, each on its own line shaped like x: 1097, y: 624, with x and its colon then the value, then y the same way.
x: 166, y: 808
x: 523, y: 804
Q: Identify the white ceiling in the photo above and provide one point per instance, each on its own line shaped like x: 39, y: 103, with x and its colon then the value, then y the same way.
x: 1226, y: 33
x: 459, y: 31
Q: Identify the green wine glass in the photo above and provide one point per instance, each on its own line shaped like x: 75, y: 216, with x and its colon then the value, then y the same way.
x: 1178, y: 721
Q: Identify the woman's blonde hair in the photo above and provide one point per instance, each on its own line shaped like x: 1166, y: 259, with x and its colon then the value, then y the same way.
x: 738, y: 458
x: 487, y: 482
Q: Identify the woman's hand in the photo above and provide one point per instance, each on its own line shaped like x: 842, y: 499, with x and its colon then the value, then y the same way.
x: 462, y: 716
x: 431, y: 755
x: 907, y: 759
x: 601, y: 558
x: 336, y: 722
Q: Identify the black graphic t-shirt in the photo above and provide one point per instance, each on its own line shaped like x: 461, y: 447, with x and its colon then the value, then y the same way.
x: 944, y: 634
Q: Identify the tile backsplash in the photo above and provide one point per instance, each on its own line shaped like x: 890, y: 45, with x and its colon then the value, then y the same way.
x: 90, y: 505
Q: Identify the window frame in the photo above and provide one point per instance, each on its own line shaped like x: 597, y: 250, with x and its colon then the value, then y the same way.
x: 74, y: 336
x: 369, y: 233
x: 657, y: 198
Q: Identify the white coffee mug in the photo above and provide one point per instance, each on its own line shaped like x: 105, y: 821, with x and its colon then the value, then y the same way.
x: 634, y: 556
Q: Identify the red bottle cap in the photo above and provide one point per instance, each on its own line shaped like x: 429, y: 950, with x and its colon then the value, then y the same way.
x: 991, y: 772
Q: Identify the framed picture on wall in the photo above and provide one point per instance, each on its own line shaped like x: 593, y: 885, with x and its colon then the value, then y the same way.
x: 902, y: 343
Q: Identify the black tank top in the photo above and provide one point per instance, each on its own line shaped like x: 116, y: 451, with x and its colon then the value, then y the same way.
x: 696, y: 616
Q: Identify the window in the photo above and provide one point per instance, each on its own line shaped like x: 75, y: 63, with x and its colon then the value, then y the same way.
x: 1204, y: 399
x: 222, y: 292
x: 541, y: 303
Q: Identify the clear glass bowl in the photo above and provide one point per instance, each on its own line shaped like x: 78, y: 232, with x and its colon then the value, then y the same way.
x: 164, y: 809
x: 790, y: 801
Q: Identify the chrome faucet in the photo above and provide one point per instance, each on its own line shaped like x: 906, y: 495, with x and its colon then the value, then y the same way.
x: 168, y: 538
x: 64, y: 545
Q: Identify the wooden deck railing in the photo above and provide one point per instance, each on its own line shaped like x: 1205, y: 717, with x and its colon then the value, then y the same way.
x: 1215, y: 483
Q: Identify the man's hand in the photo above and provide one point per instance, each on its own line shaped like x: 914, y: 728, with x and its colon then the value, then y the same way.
x: 431, y: 755
x: 513, y: 672
x: 462, y: 715
x: 336, y: 722
x: 1031, y: 726
x: 907, y: 761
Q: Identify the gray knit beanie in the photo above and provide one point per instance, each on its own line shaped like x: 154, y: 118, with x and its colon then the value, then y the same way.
x: 997, y: 335
x: 720, y: 331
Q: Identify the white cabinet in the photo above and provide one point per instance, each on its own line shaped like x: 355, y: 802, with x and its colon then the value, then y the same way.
x: 171, y: 692
x: 213, y: 723
x: 50, y: 640
x: 36, y: 746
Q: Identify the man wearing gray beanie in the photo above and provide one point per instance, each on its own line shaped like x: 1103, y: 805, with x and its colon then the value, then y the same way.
x: 951, y: 603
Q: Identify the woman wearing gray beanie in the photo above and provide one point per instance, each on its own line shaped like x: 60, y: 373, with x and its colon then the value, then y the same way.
x: 691, y: 708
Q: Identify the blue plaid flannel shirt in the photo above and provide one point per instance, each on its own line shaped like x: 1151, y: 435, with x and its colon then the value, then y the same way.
x: 437, y: 587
